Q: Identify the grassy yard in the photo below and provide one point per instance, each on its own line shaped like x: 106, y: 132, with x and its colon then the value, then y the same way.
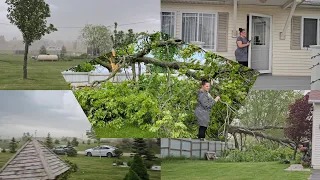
x: 92, y: 168
x: 41, y: 75
x: 208, y: 170
x: 123, y: 132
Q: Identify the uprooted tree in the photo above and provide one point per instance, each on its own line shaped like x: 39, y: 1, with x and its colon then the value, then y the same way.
x: 163, y: 103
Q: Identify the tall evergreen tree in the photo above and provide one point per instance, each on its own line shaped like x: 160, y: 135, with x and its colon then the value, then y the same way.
x: 43, y: 50
x: 74, y: 142
x: 56, y: 141
x: 49, y: 142
x: 13, y: 145
x: 140, y: 146
x: 63, y: 51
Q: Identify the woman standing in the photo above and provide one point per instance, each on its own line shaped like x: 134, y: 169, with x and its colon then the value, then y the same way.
x: 205, y: 104
x: 241, y: 52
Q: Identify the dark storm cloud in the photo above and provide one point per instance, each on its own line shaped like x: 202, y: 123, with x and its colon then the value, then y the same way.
x: 57, y: 112
x: 77, y: 13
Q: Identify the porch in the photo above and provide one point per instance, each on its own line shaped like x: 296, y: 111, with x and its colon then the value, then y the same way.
x: 278, y: 47
x: 269, y: 82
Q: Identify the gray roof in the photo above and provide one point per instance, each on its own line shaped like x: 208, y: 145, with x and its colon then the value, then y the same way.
x: 34, y: 161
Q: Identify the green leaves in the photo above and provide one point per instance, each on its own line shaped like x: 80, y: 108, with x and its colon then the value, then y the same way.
x: 31, y: 18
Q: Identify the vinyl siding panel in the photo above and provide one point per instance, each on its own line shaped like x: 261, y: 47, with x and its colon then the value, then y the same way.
x: 285, y: 61
x: 316, y: 137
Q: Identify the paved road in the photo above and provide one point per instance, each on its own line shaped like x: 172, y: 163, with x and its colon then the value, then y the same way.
x: 124, y: 154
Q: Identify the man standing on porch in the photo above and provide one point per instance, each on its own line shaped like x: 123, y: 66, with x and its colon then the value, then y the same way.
x: 241, y: 52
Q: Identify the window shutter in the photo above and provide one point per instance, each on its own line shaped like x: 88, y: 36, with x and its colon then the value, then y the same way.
x: 222, y: 32
x: 295, y: 43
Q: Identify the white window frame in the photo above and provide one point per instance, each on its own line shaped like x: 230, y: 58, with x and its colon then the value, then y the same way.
x: 302, y: 30
x: 215, y: 25
x: 174, y: 22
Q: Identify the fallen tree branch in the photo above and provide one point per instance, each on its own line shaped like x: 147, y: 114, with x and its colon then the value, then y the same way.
x: 111, y: 76
x: 235, y: 129
x: 259, y: 128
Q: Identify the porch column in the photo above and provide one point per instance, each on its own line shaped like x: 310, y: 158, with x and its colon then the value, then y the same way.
x: 315, y: 71
x: 293, y: 8
x: 235, y: 16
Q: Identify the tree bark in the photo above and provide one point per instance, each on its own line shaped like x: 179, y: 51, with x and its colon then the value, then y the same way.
x: 25, y: 60
x: 134, y: 74
x: 247, y: 131
x: 295, y: 152
x: 241, y: 145
x: 139, y: 70
x: 236, y: 144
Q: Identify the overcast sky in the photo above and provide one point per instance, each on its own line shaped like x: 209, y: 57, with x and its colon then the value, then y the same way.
x: 77, y: 13
x: 54, y: 112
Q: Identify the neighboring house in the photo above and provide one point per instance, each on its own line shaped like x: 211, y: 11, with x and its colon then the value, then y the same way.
x: 281, y: 31
x: 314, y: 98
x: 34, y: 161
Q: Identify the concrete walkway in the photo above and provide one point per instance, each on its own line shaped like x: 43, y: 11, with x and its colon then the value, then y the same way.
x: 296, y: 167
x: 315, y: 175
x: 269, y: 82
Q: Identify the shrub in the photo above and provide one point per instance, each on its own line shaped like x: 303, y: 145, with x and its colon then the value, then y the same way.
x: 149, y: 155
x: 118, y: 153
x: 148, y: 164
x: 258, y: 153
x: 3, y: 151
x: 139, y: 167
x: 71, y: 152
x: 118, y: 162
x: 132, y: 176
x: 129, y: 163
x: 73, y: 168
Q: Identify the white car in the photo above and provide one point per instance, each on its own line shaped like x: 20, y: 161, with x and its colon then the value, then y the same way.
x: 102, y: 150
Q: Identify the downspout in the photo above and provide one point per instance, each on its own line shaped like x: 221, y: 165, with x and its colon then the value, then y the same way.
x: 293, y: 8
x: 235, y: 15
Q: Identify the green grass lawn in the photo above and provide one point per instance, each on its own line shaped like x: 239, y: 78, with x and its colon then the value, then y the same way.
x: 92, y: 168
x: 123, y: 132
x: 208, y: 170
x: 41, y: 75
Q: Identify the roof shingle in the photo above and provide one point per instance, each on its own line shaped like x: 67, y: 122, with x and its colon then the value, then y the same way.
x: 34, y: 161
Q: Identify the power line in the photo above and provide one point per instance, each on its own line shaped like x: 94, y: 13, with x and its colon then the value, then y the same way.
x: 78, y: 27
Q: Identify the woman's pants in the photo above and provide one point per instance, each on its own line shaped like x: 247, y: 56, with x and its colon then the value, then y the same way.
x: 245, y: 63
x: 202, y: 132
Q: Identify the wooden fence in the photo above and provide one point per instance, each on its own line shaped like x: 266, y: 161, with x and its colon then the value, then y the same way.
x: 191, y: 147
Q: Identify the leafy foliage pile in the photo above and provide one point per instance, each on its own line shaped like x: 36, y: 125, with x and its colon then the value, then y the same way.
x: 163, y: 103
x: 259, y: 153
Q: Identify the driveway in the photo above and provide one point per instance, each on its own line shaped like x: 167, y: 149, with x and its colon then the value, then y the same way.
x: 124, y: 154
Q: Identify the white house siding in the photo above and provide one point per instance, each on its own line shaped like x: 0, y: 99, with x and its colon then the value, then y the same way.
x: 316, y: 137
x: 285, y: 62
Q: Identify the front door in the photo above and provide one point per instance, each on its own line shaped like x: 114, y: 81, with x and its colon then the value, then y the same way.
x: 260, y: 49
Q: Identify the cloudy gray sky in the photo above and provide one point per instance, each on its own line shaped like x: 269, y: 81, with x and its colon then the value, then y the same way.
x: 54, y: 112
x: 69, y: 16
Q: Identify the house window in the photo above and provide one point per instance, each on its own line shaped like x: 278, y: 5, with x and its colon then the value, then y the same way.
x: 167, y: 23
x: 259, y: 33
x: 199, y: 27
x: 311, y: 32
